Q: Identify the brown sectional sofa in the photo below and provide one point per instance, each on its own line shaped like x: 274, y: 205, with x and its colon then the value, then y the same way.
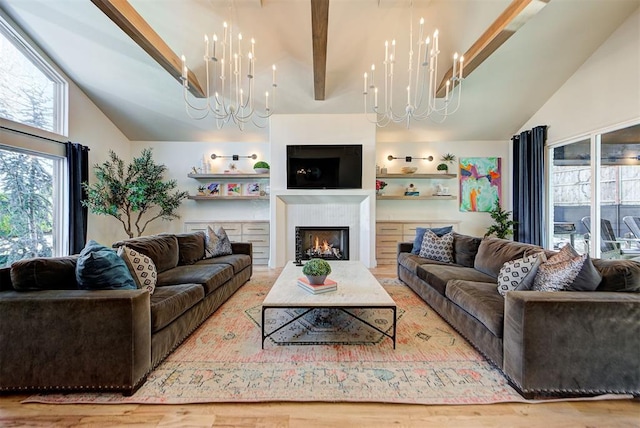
x: 567, y: 343
x: 57, y: 337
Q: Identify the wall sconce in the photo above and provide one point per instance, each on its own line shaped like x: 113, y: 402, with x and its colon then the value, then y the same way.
x: 234, y: 157
x: 409, y: 158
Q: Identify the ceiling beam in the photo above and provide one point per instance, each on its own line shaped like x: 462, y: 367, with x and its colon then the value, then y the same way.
x: 509, y: 21
x: 319, y: 28
x: 130, y: 21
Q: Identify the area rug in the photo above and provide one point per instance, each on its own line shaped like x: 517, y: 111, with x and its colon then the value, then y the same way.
x: 223, y: 361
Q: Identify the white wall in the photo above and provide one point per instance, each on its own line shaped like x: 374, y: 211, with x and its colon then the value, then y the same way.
x: 604, y: 91
x: 473, y: 223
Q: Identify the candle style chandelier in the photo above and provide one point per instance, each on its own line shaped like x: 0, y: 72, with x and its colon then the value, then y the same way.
x: 232, y: 84
x: 422, y: 102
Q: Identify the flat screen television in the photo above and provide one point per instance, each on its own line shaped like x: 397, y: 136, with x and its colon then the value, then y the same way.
x: 324, y: 166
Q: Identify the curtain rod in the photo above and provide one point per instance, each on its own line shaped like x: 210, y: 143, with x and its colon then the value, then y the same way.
x: 32, y: 135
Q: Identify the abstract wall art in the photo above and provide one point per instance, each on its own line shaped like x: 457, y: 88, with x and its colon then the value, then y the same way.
x: 480, y: 183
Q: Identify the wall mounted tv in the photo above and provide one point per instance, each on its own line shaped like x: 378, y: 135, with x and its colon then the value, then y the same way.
x: 324, y: 167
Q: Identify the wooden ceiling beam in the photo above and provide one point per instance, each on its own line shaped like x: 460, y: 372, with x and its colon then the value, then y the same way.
x: 509, y: 21
x: 319, y: 28
x: 130, y: 21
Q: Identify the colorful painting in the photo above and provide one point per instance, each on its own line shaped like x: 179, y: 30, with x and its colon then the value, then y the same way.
x: 214, y: 189
x: 234, y: 189
x: 252, y: 189
x: 480, y: 183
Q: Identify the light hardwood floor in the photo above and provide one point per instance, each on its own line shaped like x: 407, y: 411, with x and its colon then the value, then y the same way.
x: 612, y: 413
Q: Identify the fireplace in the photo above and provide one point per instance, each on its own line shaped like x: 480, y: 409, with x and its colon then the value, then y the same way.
x: 330, y: 243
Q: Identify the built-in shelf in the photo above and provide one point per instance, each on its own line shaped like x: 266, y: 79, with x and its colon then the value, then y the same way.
x: 227, y: 198
x: 434, y: 176
x: 414, y: 198
x: 229, y: 176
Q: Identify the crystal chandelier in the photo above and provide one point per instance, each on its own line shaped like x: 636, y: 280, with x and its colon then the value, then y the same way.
x: 421, y: 101
x: 229, y: 69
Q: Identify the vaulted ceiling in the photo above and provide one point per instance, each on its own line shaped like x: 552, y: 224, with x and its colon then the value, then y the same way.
x: 146, y: 102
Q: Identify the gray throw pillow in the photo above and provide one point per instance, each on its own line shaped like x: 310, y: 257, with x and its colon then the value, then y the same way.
x: 417, y: 242
x: 439, y: 248
x: 217, y: 243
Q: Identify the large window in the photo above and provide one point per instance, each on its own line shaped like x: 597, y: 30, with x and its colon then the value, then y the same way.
x: 31, y: 91
x: 32, y: 165
x: 595, y: 193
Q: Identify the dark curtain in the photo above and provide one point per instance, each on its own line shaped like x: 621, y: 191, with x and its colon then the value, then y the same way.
x: 528, y: 185
x: 78, y: 164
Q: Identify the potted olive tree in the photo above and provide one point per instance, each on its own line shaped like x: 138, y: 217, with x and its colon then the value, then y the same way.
x: 316, y: 271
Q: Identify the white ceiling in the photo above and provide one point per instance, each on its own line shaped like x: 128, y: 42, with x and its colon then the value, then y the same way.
x: 145, y: 102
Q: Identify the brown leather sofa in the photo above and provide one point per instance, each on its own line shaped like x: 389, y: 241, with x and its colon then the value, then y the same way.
x: 55, y: 337
x: 566, y: 343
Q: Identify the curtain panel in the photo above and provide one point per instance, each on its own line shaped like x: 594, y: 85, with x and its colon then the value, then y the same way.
x: 528, y: 185
x: 78, y: 169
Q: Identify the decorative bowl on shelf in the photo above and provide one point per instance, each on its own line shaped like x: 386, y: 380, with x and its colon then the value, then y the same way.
x: 261, y: 170
x: 408, y: 169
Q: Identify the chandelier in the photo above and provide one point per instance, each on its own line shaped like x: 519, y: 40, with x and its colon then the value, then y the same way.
x: 421, y: 90
x: 230, y: 73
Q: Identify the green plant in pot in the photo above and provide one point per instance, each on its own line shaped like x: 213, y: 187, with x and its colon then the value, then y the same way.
x: 443, y: 167
x: 316, y: 271
x: 261, y: 167
x: 502, y: 226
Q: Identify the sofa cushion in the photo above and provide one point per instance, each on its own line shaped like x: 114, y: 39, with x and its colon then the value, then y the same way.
x: 236, y: 261
x: 436, y: 247
x: 411, y: 262
x: 558, y: 275
x: 162, y: 249
x: 495, y: 252
x: 168, y: 303
x: 100, y: 268
x: 420, y: 231
x: 210, y: 276
x: 519, y: 274
x: 618, y: 275
x: 44, y: 273
x: 217, y: 243
x: 141, y: 267
x: 437, y: 275
x: 190, y: 247
x: 587, y: 279
x: 480, y: 300
x: 465, y: 249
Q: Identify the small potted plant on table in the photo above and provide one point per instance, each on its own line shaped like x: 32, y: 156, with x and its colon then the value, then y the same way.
x: 316, y: 271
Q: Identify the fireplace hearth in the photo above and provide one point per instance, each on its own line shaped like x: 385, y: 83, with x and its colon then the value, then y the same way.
x: 323, y: 242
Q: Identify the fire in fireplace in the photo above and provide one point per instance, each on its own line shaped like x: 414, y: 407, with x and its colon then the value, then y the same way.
x: 330, y: 243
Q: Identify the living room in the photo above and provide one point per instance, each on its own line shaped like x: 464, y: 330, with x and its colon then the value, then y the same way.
x: 598, y: 95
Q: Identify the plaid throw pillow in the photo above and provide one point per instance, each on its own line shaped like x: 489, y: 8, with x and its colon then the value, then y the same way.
x: 439, y: 248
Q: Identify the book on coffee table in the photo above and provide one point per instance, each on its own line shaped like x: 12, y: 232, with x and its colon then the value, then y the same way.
x: 328, y: 285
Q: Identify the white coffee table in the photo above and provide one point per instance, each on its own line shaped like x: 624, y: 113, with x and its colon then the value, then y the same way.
x: 357, y: 289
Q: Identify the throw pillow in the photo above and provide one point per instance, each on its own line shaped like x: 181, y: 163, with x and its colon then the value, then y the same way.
x: 417, y: 242
x: 100, y: 268
x: 558, y: 276
x: 217, y: 243
x: 519, y: 274
x: 141, y: 267
x: 587, y: 279
x: 439, y: 248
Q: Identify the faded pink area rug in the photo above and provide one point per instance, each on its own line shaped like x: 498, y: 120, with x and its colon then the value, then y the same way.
x: 223, y: 361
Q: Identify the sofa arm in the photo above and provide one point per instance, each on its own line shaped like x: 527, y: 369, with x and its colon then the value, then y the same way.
x: 572, y: 343
x: 405, y: 247
x: 74, y: 340
x: 242, y: 248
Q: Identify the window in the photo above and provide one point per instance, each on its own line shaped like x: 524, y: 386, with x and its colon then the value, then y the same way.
x: 29, y: 200
x: 595, y: 193
x: 31, y: 91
